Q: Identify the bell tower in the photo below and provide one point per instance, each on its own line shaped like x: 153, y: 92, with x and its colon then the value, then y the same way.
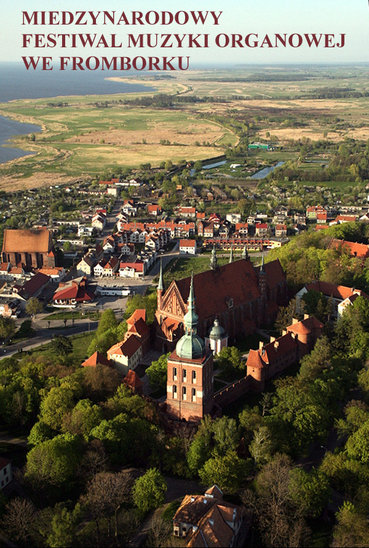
x: 190, y: 371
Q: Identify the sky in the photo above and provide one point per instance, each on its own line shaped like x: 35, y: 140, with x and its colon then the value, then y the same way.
x: 239, y: 16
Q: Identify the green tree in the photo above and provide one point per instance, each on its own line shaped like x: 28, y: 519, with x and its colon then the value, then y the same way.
x: 357, y: 445
x: 33, y: 306
x: 106, y: 322
x: 7, y: 328
x: 262, y: 446
x: 351, y: 529
x: 39, y: 433
x: 226, y: 435
x: 228, y: 471
x: 54, y: 462
x: 309, y: 491
x: 157, y: 372
x: 63, y: 527
x: 82, y: 418
x: 62, y: 346
x: 58, y: 401
x: 149, y: 490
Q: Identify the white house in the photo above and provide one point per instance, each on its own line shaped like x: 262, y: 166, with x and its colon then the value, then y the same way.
x: 6, y: 474
x: 187, y: 246
x: 126, y: 354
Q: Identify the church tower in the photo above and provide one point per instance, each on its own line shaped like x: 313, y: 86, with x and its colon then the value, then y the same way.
x: 160, y: 288
x: 213, y: 259
x: 190, y: 371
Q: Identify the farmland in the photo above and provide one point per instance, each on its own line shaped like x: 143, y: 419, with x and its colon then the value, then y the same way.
x: 87, y: 135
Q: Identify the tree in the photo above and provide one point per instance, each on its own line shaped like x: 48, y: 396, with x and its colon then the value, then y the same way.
x: 7, y: 328
x: 279, y: 521
x: 229, y: 357
x: 63, y: 527
x: 106, y: 492
x: 58, y: 401
x: 226, y: 435
x: 100, y: 382
x: 19, y: 519
x: 33, y: 306
x: 262, y: 446
x: 309, y: 491
x: 107, y: 321
x: 53, y: 463
x: 157, y: 372
x: 82, y: 418
x: 149, y: 490
x: 351, y: 529
x: 228, y: 471
x: 40, y: 432
x: 357, y: 445
x: 62, y: 346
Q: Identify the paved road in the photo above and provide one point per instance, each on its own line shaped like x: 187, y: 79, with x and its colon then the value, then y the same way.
x: 44, y: 336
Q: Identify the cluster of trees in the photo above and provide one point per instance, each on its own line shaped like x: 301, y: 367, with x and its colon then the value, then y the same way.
x: 107, y: 512
x: 309, y: 257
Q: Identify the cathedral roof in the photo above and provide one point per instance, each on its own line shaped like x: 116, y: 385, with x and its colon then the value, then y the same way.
x: 26, y: 241
x: 214, y: 288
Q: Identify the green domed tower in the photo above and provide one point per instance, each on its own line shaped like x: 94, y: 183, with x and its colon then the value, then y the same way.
x: 190, y: 346
x: 190, y: 371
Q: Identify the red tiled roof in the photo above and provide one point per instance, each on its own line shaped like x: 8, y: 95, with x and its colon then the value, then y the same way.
x: 254, y: 359
x: 340, y: 292
x: 187, y: 243
x: 126, y: 348
x: 140, y: 328
x: 261, y: 225
x: 355, y: 249
x: 139, y: 313
x: 133, y: 380
x: 96, y: 359
x: 26, y: 241
x: 305, y: 326
x: 237, y: 280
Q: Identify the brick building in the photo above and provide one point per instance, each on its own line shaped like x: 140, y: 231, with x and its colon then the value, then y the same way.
x: 242, y: 297
x: 190, y: 371
x: 33, y: 248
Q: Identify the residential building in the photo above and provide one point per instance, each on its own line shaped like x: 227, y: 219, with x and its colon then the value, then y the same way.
x: 6, y: 473
x: 208, y: 520
x: 187, y: 247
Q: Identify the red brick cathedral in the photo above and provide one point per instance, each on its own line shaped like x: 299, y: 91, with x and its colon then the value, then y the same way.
x: 242, y: 297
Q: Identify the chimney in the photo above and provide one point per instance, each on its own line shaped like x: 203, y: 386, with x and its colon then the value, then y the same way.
x: 272, y: 339
x: 276, y: 345
x: 295, y: 321
x: 306, y: 316
x: 261, y: 344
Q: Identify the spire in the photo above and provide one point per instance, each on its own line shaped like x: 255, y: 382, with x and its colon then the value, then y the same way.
x: 213, y: 259
x: 161, y: 284
x: 262, y: 268
x: 191, y: 318
x: 190, y: 346
x: 231, y: 255
x: 245, y: 254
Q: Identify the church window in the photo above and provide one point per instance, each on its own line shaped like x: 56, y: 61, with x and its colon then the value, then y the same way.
x: 174, y: 373
x: 174, y: 391
x: 184, y: 375
x: 193, y: 376
x: 193, y: 394
x: 184, y: 393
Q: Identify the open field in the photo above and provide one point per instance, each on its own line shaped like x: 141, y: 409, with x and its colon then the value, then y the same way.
x: 85, y: 136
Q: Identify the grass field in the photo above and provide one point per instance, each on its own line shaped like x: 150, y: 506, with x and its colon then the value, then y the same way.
x: 91, y: 134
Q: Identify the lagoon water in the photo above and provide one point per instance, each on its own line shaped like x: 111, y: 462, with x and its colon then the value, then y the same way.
x: 18, y: 83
